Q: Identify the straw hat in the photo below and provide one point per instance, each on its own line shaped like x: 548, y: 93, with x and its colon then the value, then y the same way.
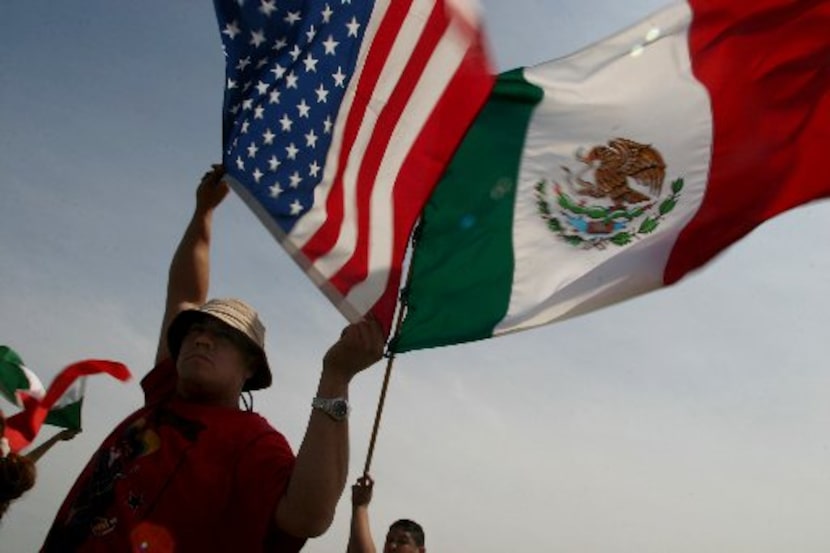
x: 236, y: 314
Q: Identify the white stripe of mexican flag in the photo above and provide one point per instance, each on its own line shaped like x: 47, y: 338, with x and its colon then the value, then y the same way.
x: 596, y: 177
x: 586, y: 108
x: 66, y: 412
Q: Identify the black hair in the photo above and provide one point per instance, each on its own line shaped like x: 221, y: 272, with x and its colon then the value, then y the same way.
x: 412, y: 527
x: 17, y: 475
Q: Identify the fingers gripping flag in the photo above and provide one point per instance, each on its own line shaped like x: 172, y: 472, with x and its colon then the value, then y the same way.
x: 339, y: 117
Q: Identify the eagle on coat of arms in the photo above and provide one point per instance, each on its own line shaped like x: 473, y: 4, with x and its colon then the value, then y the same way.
x: 614, y: 164
x: 620, y: 213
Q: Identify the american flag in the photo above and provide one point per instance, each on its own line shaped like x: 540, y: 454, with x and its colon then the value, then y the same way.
x: 339, y: 117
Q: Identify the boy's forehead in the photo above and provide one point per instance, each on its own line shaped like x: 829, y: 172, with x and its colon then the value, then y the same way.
x: 400, y: 535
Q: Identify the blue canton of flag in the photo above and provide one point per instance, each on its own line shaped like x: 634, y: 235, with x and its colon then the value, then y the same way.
x: 288, y: 65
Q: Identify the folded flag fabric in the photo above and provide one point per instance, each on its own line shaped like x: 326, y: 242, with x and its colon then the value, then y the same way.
x: 16, y: 380
x: 617, y: 170
x: 339, y: 118
x: 21, y: 386
x: 61, y: 404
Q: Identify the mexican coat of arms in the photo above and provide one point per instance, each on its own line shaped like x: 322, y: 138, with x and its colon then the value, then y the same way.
x: 623, y: 201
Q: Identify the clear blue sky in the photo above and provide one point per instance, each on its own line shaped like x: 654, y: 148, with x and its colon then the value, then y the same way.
x: 692, y: 419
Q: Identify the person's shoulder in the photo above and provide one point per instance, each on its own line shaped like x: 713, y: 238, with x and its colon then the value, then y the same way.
x: 261, y: 428
x: 255, y: 419
x: 239, y: 425
x: 160, y: 382
x: 262, y: 435
x: 269, y: 448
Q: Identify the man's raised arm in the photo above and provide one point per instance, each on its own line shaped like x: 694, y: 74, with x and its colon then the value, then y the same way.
x: 307, y: 508
x: 189, y: 276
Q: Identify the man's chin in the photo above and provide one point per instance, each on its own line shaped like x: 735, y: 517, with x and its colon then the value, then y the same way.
x: 193, y: 388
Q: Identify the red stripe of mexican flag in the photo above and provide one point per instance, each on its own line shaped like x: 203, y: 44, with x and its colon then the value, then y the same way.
x: 766, y: 65
x: 614, y: 171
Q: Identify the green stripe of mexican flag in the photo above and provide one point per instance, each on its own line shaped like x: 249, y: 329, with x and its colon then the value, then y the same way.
x: 614, y: 171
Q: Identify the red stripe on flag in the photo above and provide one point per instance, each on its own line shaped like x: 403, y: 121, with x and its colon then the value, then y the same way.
x: 355, y: 270
x: 468, y: 90
x: 766, y: 65
x: 326, y: 236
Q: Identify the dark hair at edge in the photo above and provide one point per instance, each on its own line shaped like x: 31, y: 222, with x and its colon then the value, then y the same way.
x: 414, y: 529
x: 17, y: 476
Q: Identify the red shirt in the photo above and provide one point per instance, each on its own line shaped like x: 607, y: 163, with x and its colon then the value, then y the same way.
x: 178, y: 476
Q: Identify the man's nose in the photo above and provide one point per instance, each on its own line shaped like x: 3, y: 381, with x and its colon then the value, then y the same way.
x: 203, y: 339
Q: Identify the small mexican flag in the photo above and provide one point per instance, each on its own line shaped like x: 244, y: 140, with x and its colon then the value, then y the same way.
x: 60, y: 405
x: 17, y: 383
x: 593, y: 178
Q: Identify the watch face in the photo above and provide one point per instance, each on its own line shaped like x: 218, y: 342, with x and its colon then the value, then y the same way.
x: 336, y: 408
x: 340, y: 409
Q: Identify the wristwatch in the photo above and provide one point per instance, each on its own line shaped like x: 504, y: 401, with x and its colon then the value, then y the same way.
x: 337, y: 408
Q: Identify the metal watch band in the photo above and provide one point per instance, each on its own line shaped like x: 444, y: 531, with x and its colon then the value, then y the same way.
x: 337, y: 408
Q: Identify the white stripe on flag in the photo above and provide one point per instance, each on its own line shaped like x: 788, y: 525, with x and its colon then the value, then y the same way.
x: 74, y: 394
x: 433, y: 82
x: 394, y: 68
x: 36, y: 389
x: 617, y: 88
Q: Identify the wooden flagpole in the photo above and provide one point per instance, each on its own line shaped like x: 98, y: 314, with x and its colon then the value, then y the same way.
x: 391, y: 360
x: 383, y: 390
x: 378, y: 413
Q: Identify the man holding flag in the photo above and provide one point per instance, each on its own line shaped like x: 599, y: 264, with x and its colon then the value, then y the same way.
x: 404, y: 535
x: 331, y: 112
x: 190, y: 471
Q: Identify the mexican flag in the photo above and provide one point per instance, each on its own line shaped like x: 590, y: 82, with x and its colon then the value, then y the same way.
x: 59, y: 405
x: 617, y: 170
